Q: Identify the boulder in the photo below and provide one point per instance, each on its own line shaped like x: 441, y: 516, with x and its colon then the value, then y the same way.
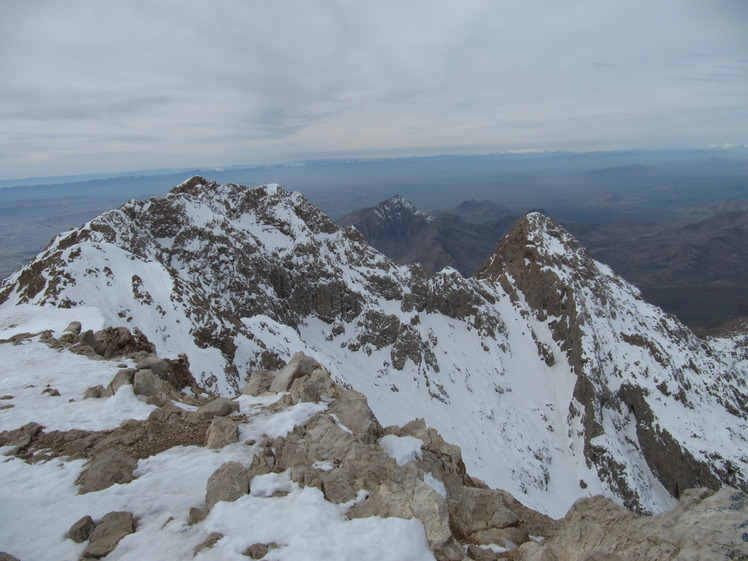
x: 258, y: 382
x: 219, y: 407
x: 405, y: 495
x: 107, y: 468
x: 259, y: 550
x: 152, y: 362
x: 147, y: 384
x: 94, y: 392
x: 122, y: 378
x: 222, y: 431
x: 227, y: 483
x: 481, y: 509
x: 209, y: 542
x: 178, y: 372
x: 108, y: 533
x: 87, y: 339
x: 352, y: 409
x: 74, y: 327
x: 299, y: 365
x: 481, y: 554
x: 81, y: 530
x: 7, y: 557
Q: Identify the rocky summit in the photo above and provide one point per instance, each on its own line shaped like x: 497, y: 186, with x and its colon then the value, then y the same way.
x: 214, y: 372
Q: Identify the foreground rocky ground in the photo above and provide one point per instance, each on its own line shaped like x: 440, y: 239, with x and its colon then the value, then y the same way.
x: 330, y: 445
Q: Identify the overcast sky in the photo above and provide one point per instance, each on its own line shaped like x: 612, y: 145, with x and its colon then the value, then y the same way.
x: 109, y: 86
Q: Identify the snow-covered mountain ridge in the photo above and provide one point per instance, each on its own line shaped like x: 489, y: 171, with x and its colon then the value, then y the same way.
x: 552, y: 375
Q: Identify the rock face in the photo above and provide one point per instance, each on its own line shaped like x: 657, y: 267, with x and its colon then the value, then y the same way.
x: 339, y: 452
x: 704, y: 525
x: 544, y: 342
x: 628, y: 359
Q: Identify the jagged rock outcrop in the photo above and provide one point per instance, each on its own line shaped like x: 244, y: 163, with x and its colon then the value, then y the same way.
x: 704, y: 525
x: 628, y: 358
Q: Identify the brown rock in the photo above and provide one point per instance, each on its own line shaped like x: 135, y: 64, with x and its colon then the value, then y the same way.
x: 481, y: 554
x: 405, y: 495
x: 220, y: 407
x: 299, y: 365
x: 481, y: 509
x: 197, y: 515
x: 108, y: 533
x: 209, y: 542
x: 353, y: 410
x: 94, y: 392
x: 81, y: 530
x: 258, y: 382
x: 7, y: 557
x: 222, y: 431
x: 106, y: 469
x: 259, y: 550
x: 74, y: 327
x: 122, y: 378
x: 227, y: 483
x: 147, y: 384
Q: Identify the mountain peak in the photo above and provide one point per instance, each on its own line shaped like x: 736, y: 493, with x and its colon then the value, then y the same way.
x: 396, y: 207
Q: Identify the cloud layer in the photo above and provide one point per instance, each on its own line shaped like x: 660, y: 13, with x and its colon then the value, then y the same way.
x: 111, y: 86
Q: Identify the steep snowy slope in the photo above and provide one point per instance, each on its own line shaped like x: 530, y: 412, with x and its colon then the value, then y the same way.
x: 548, y: 371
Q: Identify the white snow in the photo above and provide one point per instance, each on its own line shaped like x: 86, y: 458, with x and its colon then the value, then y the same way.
x: 40, y: 500
x: 402, y: 449
x: 31, y: 368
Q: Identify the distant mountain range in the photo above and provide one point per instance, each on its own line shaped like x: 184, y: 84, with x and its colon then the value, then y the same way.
x: 697, y: 270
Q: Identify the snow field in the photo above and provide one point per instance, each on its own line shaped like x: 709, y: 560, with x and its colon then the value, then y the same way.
x: 40, y: 501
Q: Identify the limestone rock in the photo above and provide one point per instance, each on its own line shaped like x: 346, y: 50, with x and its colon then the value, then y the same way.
x: 258, y: 382
x: 405, y: 495
x: 209, y: 542
x: 481, y: 554
x: 95, y: 392
x: 106, y: 469
x: 353, y: 411
x: 481, y: 509
x: 88, y: 339
x: 222, y: 431
x: 299, y: 365
x: 81, y: 530
x: 220, y: 407
x: 227, y: 483
x: 108, y: 533
x: 74, y: 327
x: 704, y: 525
x: 154, y: 363
x: 147, y: 384
x: 122, y: 378
x: 259, y: 550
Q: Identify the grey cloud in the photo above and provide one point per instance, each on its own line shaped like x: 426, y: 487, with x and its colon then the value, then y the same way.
x: 183, y: 80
